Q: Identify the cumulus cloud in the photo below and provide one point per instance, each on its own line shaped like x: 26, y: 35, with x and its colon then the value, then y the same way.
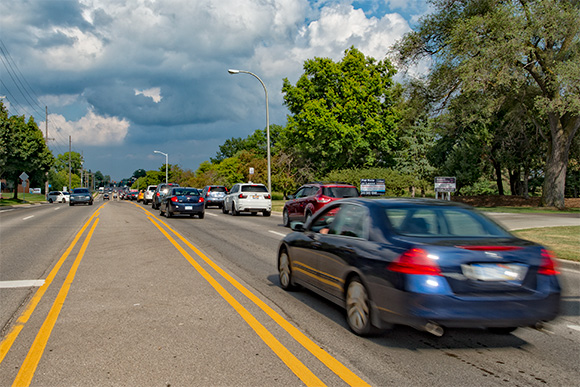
x: 150, y: 70
x: 154, y: 93
x: 92, y: 129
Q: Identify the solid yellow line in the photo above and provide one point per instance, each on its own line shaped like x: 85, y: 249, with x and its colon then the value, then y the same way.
x: 333, y: 364
x: 283, y: 353
x: 26, y: 372
x: 6, y: 344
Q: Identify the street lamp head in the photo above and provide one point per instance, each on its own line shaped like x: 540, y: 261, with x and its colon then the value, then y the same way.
x: 231, y: 71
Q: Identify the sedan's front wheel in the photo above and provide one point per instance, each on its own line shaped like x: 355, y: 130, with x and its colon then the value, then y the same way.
x: 358, y: 311
x: 285, y: 271
x: 285, y: 218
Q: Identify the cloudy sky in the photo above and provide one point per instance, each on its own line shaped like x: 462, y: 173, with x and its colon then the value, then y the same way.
x: 123, y: 78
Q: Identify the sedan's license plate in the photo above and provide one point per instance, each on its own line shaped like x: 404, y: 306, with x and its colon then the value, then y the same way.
x: 495, y: 271
x: 188, y: 208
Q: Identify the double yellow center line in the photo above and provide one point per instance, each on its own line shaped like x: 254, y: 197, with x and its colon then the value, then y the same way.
x: 282, y: 352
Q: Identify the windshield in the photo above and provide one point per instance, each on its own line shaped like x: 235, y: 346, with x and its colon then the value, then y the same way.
x: 442, y: 222
x: 340, y: 192
x: 254, y: 188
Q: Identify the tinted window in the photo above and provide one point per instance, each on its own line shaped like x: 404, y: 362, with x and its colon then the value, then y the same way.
x: 185, y: 191
x: 81, y: 190
x: 440, y: 221
x: 340, y: 192
x: 254, y: 188
x: 218, y: 189
x: 350, y: 221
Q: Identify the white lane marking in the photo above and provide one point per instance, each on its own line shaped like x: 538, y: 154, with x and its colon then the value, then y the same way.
x: 211, y: 214
x: 575, y: 327
x: 28, y: 217
x: 10, y: 209
x: 277, y: 233
x: 57, y: 208
x: 20, y: 284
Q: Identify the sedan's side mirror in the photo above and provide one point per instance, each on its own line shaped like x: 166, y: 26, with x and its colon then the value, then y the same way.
x: 297, y: 226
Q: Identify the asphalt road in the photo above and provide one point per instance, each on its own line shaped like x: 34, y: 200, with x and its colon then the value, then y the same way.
x: 136, y: 300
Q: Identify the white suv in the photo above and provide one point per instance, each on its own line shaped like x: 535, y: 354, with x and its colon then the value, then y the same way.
x: 248, y: 197
x: 148, y: 195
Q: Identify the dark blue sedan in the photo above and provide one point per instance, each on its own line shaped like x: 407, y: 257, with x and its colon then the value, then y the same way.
x: 429, y: 264
x: 182, y: 200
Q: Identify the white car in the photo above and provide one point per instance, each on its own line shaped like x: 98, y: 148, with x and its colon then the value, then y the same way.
x: 148, y: 195
x: 58, y: 197
x: 248, y: 197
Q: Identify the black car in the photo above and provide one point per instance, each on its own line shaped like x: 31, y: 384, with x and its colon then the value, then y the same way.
x: 160, y: 191
x: 429, y: 264
x: 81, y: 196
x: 182, y: 200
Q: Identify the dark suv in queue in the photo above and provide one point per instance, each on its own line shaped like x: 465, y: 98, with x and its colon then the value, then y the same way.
x: 312, y: 197
x: 160, y: 191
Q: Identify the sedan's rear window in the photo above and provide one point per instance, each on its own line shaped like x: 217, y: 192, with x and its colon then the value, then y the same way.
x: 441, y: 222
x: 217, y: 189
x: 254, y: 188
x: 186, y: 192
x: 81, y: 191
x: 340, y: 192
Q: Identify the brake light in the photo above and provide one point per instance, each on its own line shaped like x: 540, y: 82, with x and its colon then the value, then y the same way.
x: 201, y: 200
x: 547, y: 265
x: 323, y: 199
x: 157, y: 194
x: 415, y: 261
x: 490, y: 248
x: 267, y: 196
x: 242, y: 196
x: 174, y: 199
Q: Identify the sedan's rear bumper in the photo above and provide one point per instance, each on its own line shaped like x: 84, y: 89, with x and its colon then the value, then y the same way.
x: 474, y: 311
x: 186, y: 208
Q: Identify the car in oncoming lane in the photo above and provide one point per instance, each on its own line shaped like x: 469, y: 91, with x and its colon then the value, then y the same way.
x: 428, y: 264
x: 182, y: 200
x: 80, y: 196
x: 58, y: 197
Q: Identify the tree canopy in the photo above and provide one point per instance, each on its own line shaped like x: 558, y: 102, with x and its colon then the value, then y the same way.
x: 500, y: 48
x: 343, y: 114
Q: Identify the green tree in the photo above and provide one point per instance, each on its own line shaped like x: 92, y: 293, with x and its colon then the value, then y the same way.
x: 255, y: 143
x: 501, y: 46
x: 62, y: 161
x: 343, y: 113
x: 22, y: 149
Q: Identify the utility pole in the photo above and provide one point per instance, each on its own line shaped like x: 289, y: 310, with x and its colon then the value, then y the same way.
x: 69, y: 164
x: 46, y: 141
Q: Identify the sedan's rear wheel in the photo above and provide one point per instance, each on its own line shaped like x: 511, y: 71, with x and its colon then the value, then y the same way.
x: 50, y: 200
x: 285, y: 271
x: 358, y: 311
x: 201, y: 215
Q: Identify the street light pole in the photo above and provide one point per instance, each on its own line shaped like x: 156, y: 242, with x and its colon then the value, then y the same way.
x: 231, y: 71
x: 166, y: 162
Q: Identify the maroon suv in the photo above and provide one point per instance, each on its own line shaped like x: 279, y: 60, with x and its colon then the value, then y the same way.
x: 312, y: 197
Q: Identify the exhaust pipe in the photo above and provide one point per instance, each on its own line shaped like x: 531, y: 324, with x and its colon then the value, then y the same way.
x: 434, y: 329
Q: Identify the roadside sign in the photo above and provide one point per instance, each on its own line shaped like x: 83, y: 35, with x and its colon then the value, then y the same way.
x: 23, y: 176
x: 372, y: 187
x: 445, y: 184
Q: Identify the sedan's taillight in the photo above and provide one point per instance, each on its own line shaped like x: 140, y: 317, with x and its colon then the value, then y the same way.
x: 201, y: 200
x: 415, y: 261
x: 242, y: 196
x: 547, y: 265
x: 174, y: 199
